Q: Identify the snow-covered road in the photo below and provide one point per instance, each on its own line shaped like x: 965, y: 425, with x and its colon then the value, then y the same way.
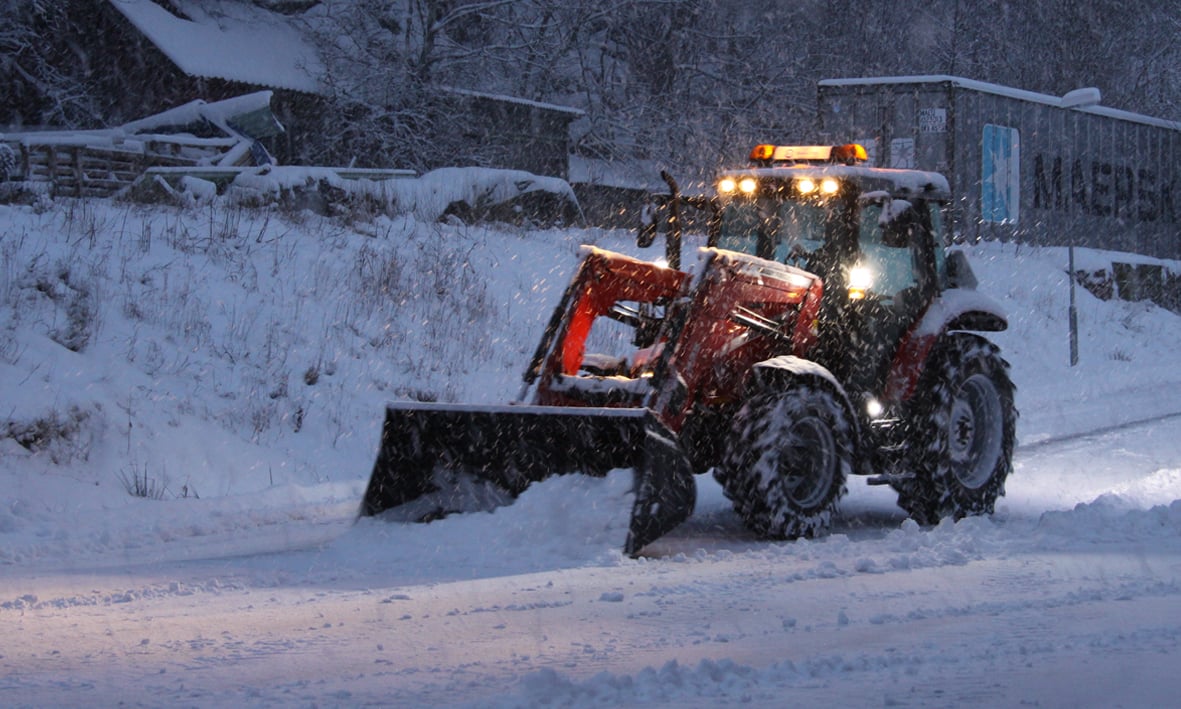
x: 1046, y: 604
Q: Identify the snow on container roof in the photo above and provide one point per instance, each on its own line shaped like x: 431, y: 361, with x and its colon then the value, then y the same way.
x: 999, y: 90
x: 229, y: 40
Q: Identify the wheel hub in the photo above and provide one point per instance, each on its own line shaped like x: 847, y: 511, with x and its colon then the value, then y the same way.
x: 810, y: 463
x: 976, y: 431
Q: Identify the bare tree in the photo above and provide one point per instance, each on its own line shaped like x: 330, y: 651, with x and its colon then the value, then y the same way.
x: 38, y: 68
x: 390, y: 64
x: 689, y: 82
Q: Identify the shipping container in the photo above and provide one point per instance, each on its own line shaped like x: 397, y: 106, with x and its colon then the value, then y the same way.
x: 1039, y: 169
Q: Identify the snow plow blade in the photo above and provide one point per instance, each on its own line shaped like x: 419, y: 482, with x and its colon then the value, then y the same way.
x: 424, y: 446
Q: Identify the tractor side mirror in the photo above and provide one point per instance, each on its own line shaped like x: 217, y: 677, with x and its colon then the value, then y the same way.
x: 959, y: 271
x: 899, y: 222
x: 661, y: 214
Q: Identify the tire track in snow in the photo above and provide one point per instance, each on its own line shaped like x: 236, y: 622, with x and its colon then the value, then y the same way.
x: 1100, y: 431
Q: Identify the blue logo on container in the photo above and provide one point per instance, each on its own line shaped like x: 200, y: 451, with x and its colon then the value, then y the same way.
x: 1000, y: 184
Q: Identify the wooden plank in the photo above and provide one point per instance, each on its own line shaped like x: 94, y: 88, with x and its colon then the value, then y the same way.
x: 104, y: 185
x: 76, y: 160
x: 100, y: 175
x: 103, y: 171
x: 358, y: 173
x: 108, y: 166
x: 165, y: 161
x: 202, y: 171
x: 105, y: 152
x: 152, y: 142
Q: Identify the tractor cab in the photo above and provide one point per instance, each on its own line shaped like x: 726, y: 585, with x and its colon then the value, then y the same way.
x: 874, y: 236
x: 876, y: 231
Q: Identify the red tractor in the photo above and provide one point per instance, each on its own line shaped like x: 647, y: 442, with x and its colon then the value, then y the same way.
x: 825, y: 333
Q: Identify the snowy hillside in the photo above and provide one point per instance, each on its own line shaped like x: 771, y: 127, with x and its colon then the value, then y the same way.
x: 224, y: 352
x: 232, y: 364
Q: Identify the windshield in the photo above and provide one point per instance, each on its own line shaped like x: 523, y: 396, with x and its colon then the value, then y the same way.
x: 877, y: 236
x: 777, y: 224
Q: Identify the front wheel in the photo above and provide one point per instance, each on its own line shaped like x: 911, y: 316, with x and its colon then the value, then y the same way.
x: 787, y: 460
x: 962, y: 423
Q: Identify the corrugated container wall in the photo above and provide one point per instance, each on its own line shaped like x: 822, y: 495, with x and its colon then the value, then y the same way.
x: 1023, y: 166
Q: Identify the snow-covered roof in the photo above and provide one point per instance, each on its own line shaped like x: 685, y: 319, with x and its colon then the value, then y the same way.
x: 229, y: 40
x: 1008, y: 91
x: 626, y: 174
x: 225, y: 114
x: 572, y: 112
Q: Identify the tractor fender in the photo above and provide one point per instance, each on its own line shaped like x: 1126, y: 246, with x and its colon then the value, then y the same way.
x: 954, y: 309
x: 783, y: 370
x: 786, y: 367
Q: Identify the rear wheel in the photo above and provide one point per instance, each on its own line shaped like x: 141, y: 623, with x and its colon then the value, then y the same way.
x: 788, y: 457
x: 962, y: 425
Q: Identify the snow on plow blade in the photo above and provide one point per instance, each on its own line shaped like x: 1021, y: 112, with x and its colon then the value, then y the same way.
x: 425, y: 446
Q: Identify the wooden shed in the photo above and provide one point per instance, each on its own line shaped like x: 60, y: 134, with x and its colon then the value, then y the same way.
x: 146, y: 56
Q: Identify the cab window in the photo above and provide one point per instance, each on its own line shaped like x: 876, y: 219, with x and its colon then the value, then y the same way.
x: 770, y: 228
x: 939, y: 229
x: 887, y: 237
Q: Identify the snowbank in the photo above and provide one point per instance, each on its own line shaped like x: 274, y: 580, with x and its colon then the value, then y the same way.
x: 467, y: 194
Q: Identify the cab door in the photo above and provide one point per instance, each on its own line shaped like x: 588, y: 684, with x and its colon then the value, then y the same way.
x: 891, y: 283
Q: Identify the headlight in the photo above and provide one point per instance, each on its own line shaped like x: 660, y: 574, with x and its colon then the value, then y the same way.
x: 748, y: 185
x: 860, y: 281
x: 827, y: 187
x: 727, y: 185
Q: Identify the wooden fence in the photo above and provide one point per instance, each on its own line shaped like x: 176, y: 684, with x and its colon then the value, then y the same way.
x: 84, y: 168
x: 89, y: 170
